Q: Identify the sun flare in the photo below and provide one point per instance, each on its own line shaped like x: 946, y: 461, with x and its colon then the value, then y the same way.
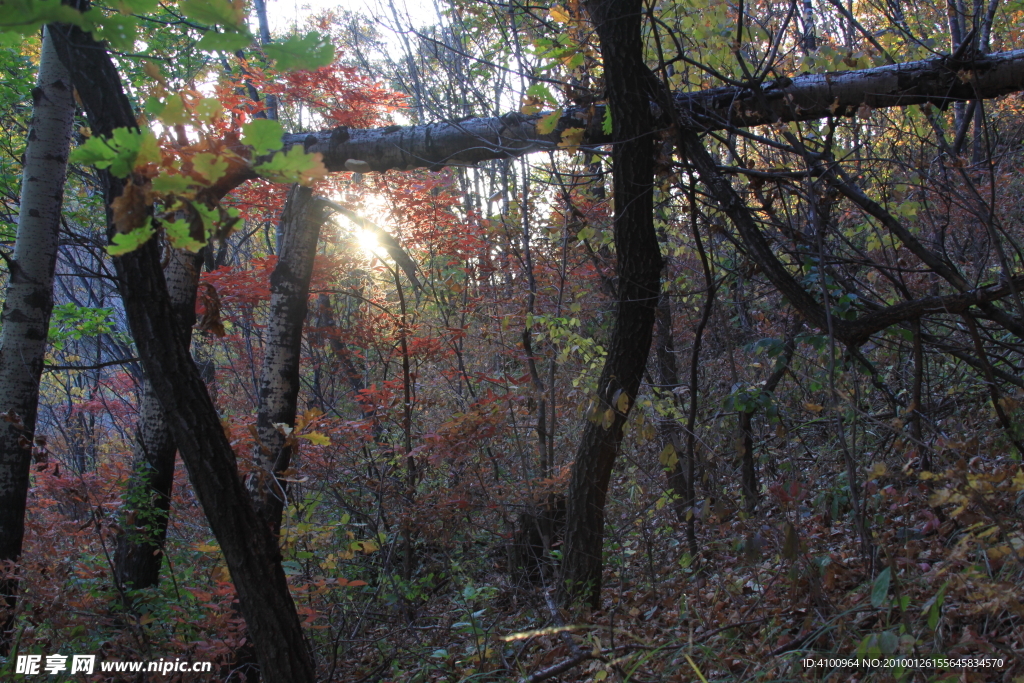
x: 367, y: 243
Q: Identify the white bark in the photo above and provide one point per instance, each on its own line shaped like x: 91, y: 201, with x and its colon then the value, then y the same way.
x: 29, y: 300
x: 301, y: 221
x: 937, y: 81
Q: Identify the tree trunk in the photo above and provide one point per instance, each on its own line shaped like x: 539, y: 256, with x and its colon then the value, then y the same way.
x: 639, y: 269
x: 139, y: 551
x: 669, y: 428
x: 939, y: 81
x: 29, y: 302
x: 750, y: 484
x: 250, y: 550
x: 279, y: 383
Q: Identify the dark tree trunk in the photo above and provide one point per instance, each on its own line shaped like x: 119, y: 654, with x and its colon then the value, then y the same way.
x: 249, y: 548
x: 751, y: 487
x: 279, y: 383
x: 639, y: 268
x: 669, y: 429
x: 139, y: 551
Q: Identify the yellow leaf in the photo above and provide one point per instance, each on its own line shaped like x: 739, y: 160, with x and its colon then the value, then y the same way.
x: 622, y: 402
x: 317, y: 439
x: 367, y: 546
x: 998, y: 552
x: 153, y: 71
x: 571, y: 139
x: 813, y: 407
x: 207, y: 548
x: 668, y: 456
x: 315, y: 172
x: 531, y: 105
x: 547, y: 124
x: 558, y: 14
x: 878, y: 469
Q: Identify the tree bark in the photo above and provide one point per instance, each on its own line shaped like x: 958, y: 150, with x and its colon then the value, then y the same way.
x: 669, y: 429
x: 279, y: 383
x: 938, y: 81
x: 638, y: 266
x: 29, y: 302
x: 250, y: 550
x: 139, y: 551
x: 750, y: 485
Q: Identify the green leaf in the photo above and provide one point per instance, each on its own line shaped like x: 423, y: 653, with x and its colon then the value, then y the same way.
x: 227, y: 41
x: 606, y: 122
x: 292, y: 166
x: 125, y: 242
x: 180, y: 236
x: 210, y: 217
x: 907, y: 335
x: 172, y: 183
x: 118, y: 152
x: 174, y: 113
x: 210, y: 166
x: 153, y: 106
x: 208, y: 109
x: 889, y: 642
x: 219, y: 12
x: 308, y: 52
x: 149, y: 149
x: 136, y: 6
x: 93, y: 152
x: 264, y: 135
x: 69, y: 321
x: 128, y: 144
x: 548, y: 123
x: 933, y: 608
x: 880, y: 588
x: 541, y: 92
x: 118, y: 30
x: 26, y: 16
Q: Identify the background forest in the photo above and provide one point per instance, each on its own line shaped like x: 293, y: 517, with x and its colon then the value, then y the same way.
x: 513, y: 342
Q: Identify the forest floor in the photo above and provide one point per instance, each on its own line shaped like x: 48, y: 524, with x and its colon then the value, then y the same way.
x: 786, y: 594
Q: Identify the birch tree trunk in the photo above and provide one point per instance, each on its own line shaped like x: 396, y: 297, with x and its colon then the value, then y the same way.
x: 139, y: 551
x: 29, y: 302
x: 279, y: 383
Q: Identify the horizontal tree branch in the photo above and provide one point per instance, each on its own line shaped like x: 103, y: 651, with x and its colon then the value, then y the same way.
x: 915, y: 308
x: 938, y: 81
x: 97, y: 366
